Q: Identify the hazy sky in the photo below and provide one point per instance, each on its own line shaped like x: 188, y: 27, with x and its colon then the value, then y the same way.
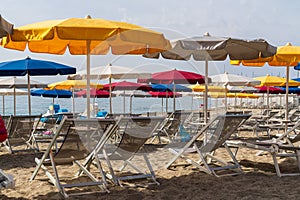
x: 276, y: 21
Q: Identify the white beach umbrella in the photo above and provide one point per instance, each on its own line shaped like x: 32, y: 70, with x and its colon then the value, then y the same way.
x: 227, y: 79
x: 111, y: 72
x: 19, y: 83
x: 10, y: 92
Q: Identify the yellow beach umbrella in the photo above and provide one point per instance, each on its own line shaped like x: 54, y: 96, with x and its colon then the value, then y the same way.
x: 213, y: 91
x: 73, y: 85
x: 275, y: 81
x: 86, y: 36
x: 211, y: 88
x: 242, y: 95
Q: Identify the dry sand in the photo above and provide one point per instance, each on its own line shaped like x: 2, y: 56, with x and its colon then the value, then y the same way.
x: 184, y: 182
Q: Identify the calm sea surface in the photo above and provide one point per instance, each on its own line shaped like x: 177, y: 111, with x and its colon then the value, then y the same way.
x: 139, y: 105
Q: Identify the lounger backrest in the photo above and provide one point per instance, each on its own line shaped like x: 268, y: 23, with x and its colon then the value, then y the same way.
x: 182, y: 116
x: 22, y: 126
x: 220, y: 130
x: 82, y: 137
x: 175, y: 120
x: 136, y: 131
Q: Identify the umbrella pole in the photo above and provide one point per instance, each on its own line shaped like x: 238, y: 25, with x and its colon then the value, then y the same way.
x: 124, y: 102
x: 3, y: 106
x: 192, y: 106
x: 206, y: 90
x: 130, y: 109
x: 226, y: 98
x: 287, y: 97
x: 88, y: 60
x: 174, y: 91
x: 162, y: 106
x: 73, y: 100
x: 110, y: 96
x: 268, y: 100
x: 167, y: 104
x: 235, y: 101
x: 15, y: 101
x: 29, y: 100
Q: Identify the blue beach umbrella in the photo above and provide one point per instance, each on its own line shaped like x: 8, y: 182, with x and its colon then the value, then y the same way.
x: 292, y: 90
x: 169, y: 87
x: 32, y: 67
x: 51, y: 93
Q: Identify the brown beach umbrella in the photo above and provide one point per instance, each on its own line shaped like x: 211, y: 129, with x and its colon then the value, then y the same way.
x: 5, y: 27
x: 207, y: 48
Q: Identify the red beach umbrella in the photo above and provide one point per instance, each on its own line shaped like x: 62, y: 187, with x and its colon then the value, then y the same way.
x: 175, y: 77
x: 94, y: 93
x: 164, y: 94
x: 126, y: 85
x: 272, y: 90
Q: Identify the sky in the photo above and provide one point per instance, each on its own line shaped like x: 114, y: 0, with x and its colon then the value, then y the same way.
x: 275, y: 21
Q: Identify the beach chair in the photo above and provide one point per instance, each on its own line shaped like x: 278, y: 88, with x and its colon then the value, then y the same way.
x: 208, y: 139
x: 134, y: 132
x: 80, y: 139
x: 281, y: 147
x: 19, y: 129
x: 169, y: 129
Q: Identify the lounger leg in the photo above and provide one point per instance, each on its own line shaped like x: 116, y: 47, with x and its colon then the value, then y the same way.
x: 58, y: 185
x: 150, y: 169
x: 298, y: 160
x: 101, y: 171
x: 113, y: 176
x: 276, y: 165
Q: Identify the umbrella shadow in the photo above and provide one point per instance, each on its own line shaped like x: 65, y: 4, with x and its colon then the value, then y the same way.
x: 197, y: 185
x: 23, y: 160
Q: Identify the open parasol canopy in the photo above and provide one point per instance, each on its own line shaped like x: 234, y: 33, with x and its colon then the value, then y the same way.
x: 10, y: 92
x: 287, y: 56
x: 33, y: 67
x: 208, y: 48
x: 15, y: 82
x: 5, y: 27
x: 174, y: 77
x: 86, y: 36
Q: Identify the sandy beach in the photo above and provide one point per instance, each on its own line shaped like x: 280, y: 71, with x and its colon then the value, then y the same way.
x: 259, y: 180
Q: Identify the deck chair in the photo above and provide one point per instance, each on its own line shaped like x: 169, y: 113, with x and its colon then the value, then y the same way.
x: 79, y: 140
x: 168, y: 131
x: 208, y: 139
x: 135, y: 131
x: 19, y: 129
x: 281, y: 147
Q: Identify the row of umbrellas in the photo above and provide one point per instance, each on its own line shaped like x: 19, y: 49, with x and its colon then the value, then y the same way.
x: 174, y: 76
x: 36, y: 67
x: 98, y: 36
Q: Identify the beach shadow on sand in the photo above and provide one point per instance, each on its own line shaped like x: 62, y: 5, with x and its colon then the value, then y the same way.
x: 198, y: 185
x: 22, y: 160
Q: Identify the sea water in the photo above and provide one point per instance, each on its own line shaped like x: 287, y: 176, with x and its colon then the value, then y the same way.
x: 139, y: 105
